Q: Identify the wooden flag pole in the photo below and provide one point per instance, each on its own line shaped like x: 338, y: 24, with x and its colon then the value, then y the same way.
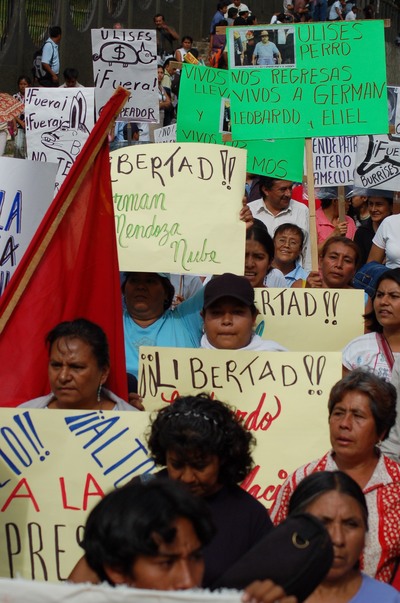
x: 311, y: 206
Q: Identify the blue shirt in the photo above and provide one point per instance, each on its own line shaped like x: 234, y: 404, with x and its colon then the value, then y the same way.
x: 373, y: 591
x: 215, y: 20
x: 50, y: 55
x: 179, y: 328
x: 297, y: 273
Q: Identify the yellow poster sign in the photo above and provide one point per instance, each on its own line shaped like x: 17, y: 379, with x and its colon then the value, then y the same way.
x: 310, y: 319
x: 55, y: 466
x: 177, y: 207
x: 281, y: 397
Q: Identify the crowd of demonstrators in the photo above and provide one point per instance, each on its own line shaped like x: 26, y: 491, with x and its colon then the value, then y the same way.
x: 295, y: 11
x: 199, y: 441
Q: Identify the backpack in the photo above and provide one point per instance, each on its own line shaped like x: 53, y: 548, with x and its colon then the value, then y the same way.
x: 37, y: 70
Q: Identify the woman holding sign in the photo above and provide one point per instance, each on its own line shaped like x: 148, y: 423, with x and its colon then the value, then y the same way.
x: 338, y: 263
x: 362, y: 410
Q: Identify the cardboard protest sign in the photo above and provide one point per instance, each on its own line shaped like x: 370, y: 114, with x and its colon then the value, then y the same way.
x: 165, y: 134
x: 177, y: 208
x: 22, y: 207
x: 318, y: 82
x: 204, y: 116
x: 58, y: 122
x: 281, y: 397
x: 310, y: 319
x: 55, y: 466
x: 334, y: 160
x: 15, y: 591
x: 378, y: 162
x: 127, y: 58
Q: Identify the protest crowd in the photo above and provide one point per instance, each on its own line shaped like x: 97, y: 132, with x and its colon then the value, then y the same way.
x: 192, y: 520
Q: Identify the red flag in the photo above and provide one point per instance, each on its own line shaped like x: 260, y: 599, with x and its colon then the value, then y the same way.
x: 70, y: 270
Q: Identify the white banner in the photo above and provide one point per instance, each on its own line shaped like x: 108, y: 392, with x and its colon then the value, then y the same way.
x: 128, y: 58
x: 378, y: 162
x: 165, y: 134
x: 334, y: 160
x: 58, y: 122
x: 22, y: 207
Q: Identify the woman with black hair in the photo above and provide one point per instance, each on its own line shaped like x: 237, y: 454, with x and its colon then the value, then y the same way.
x: 203, y: 445
x: 149, y: 319
x: 79, y: 365
x: 378, y: 349
x: 259, y: 256
x: 338, y: 501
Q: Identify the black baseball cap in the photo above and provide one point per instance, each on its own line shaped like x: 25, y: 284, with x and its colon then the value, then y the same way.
x: 229, y: 285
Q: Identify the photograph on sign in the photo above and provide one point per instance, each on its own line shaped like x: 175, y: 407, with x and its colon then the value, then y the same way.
x: 262, y: 46
x: 225, y: 116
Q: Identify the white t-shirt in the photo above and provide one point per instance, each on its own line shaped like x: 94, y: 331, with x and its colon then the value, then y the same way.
x: 333, y: 15
x: 364, y: 352
x: 387, y: 237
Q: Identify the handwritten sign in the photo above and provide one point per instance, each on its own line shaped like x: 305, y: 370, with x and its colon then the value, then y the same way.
x: 22, y: 207
x: 177, y: 208
x: 281, y: 397
x: 128, y: 58
x: 15, y: 591
x: 58, y: 122
x: 165, y: 134
x: 334, y: 160
x: 327, y: 88
x: 311, y: 319
x: 378, y: 162
x: 55, y: 466
x: 204, y: 116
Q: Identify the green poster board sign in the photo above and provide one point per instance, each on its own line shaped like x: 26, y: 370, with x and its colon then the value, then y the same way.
x: 204, y: 116
x: 308, y: 79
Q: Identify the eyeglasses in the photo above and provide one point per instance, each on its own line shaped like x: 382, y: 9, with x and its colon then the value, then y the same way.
x: 264, y: 36
x: 289, y: 242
